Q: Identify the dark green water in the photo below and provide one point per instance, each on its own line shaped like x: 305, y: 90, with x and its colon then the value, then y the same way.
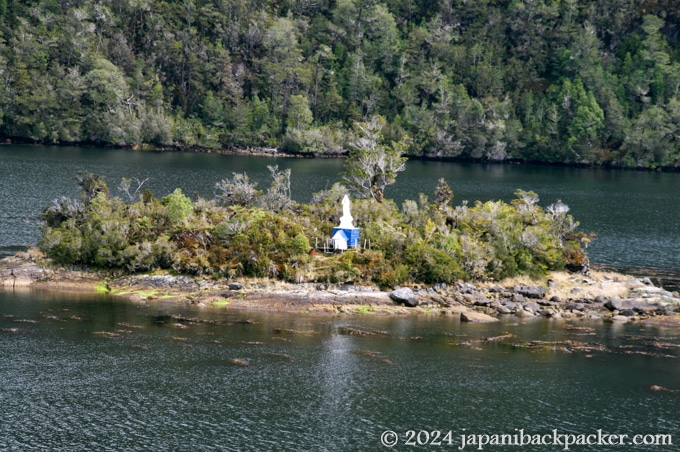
x: 94, y: 373
x: 635, y: 214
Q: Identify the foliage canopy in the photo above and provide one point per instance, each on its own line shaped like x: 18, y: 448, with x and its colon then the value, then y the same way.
x: 577, y: 81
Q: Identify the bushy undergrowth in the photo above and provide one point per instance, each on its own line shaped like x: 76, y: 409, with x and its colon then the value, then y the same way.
x: 421, y: 243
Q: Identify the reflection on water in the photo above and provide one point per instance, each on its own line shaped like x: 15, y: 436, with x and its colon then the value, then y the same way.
x: 95, y: 373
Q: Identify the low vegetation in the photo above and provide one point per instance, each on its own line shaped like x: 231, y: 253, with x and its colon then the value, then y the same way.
x: 245, y: 232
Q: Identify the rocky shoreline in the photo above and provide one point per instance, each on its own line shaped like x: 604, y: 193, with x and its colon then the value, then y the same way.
x: 606, y: 296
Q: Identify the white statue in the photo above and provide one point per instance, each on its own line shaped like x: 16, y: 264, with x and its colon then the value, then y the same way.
x: 346, y: 220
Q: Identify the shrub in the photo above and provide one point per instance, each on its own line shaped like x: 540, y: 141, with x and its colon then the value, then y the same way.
x: 236, y: 191
x: 179, y: 206
x: 432, y: 265
x: 299, y: 244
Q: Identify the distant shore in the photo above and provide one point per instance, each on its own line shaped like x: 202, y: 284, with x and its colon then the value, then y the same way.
x: 600, y: 295
x: 261, y: 151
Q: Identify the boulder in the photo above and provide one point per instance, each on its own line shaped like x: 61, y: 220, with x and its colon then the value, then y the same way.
x: 235, y: 286
x: 503, y: 310
x: 549, y: 312
x: 533, y: 306
x: 476, y: 317
x: 517, y: 298
x: 466, y: 288
x: 482, y: 301
x: 619, y: 319
x: 404, y: 296
x: 530, y: 291
x: 614, y: 304
x: 524, y: 313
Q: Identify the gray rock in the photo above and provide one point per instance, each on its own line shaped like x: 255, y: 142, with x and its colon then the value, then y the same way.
x: 646, y: 309
x: 235, y: 286
x: 524, y: 313
x: 466, y: 288
x: 549, y: 312
x: 652, y: 291
x: 614, y: 304
x: 476, y: 317
x: 530, y: 291
x: 620, y: 319
x: 482, y: 301
x: 469, y: 298
x: 404, y: 296
x: 503, y: 310
x: 533, y: 306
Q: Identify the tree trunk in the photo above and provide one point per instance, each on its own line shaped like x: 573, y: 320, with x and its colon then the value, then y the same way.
x: 378, y: 194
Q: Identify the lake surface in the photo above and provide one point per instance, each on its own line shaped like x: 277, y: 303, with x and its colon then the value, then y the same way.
x: 634, y: 214
x: 84, y: 372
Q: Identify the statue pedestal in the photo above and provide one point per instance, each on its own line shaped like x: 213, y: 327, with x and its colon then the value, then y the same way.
x: 350, y: 237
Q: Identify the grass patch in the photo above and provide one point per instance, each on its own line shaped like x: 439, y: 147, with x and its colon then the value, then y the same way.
x: 221, y: 303
x: 102, y: 287
x: 364, y: 309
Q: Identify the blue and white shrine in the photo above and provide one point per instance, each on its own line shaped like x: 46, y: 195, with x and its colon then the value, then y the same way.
x: 345, y: 235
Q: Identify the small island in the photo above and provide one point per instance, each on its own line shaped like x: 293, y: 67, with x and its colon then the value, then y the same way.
x: 254, y: 249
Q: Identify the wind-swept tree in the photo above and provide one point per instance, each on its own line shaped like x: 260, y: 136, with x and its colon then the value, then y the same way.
x: 372, y: 164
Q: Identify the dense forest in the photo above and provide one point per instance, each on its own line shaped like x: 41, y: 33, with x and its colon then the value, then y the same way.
x: 565, y: 81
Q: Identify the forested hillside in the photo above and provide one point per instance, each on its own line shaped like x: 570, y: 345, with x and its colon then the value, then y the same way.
x: 576, y: 81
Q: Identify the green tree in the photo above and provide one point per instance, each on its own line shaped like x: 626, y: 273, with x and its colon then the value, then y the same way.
x: 299, y: 115
x: 179, y: 206
x: 111, y: 104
